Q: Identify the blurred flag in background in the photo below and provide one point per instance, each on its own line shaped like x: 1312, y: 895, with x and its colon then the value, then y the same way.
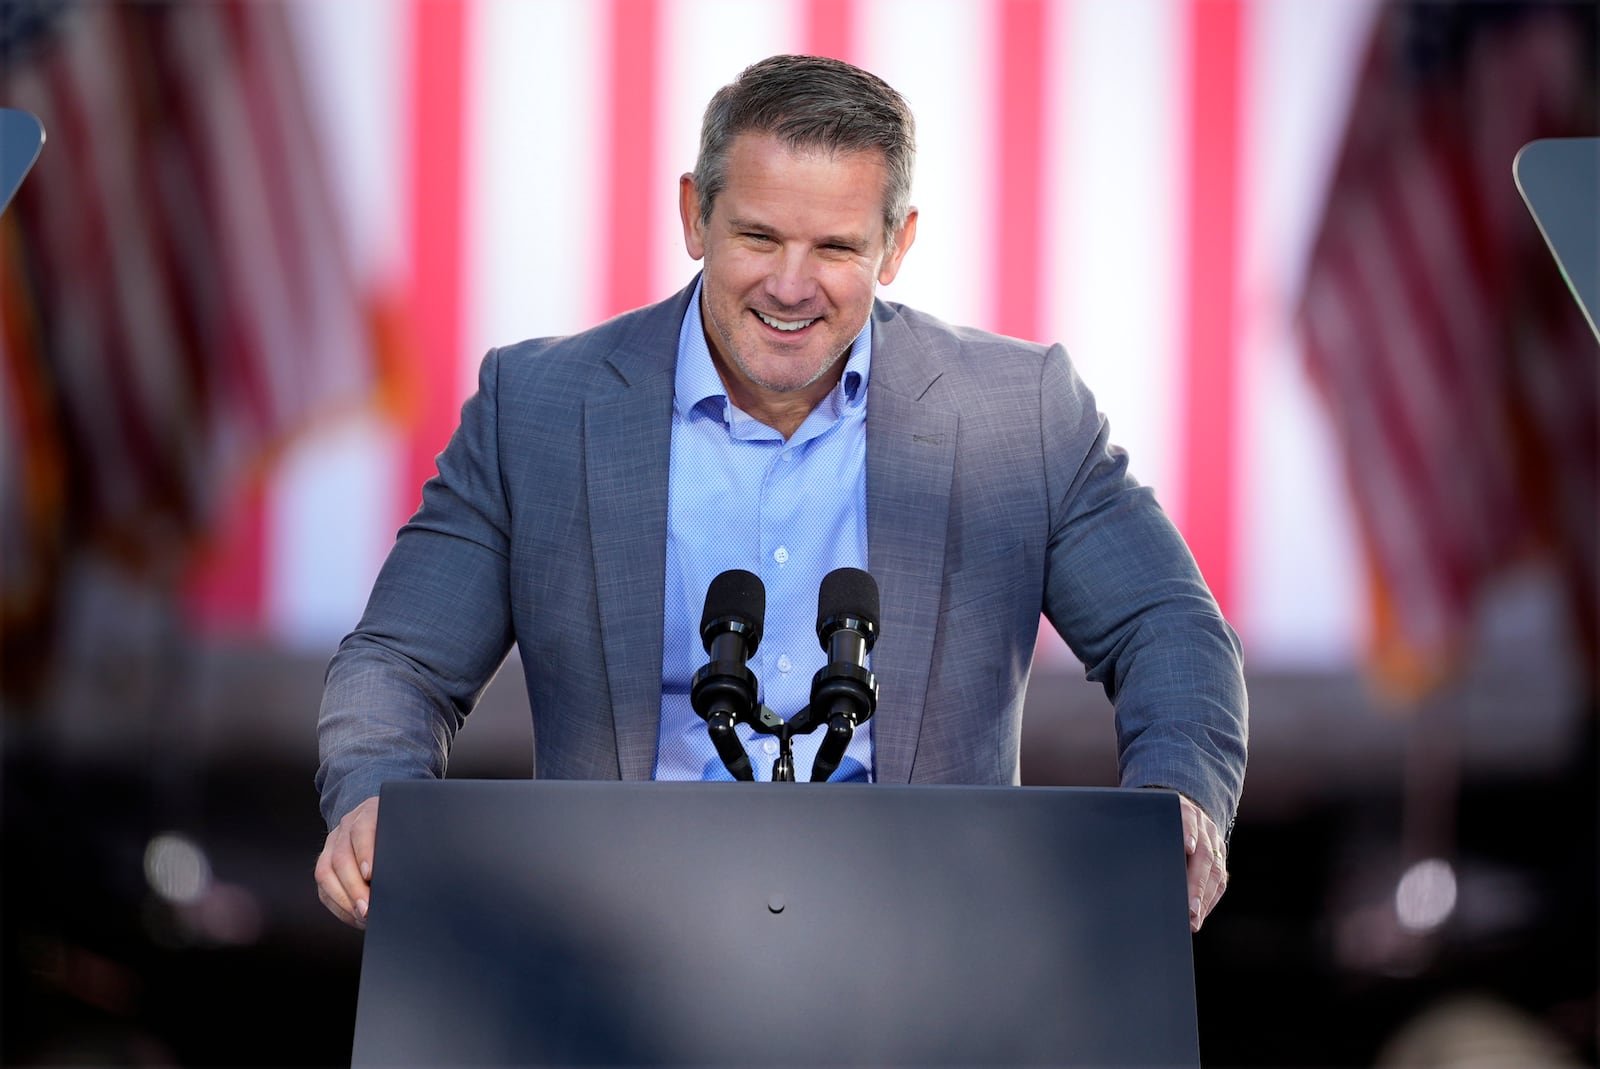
x: 1135, y: 179
x: 1461, y: 379
x: 250, y: 215
x: 176, y: 300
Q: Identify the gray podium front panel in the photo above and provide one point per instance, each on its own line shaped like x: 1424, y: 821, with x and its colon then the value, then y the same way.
x: 521, y: 922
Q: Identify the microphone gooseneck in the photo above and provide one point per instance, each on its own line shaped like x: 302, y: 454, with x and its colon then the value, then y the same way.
x: 723, y: 693
x: 843, y: 692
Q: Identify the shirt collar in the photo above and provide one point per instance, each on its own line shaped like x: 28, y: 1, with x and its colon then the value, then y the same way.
x: 697, y: 380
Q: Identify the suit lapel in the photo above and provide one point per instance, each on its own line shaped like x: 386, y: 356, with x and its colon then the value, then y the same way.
x: 911, y: 448
x: 627, y: 442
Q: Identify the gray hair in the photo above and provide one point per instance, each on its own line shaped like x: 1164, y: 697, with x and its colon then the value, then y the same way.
x: 811, y: 103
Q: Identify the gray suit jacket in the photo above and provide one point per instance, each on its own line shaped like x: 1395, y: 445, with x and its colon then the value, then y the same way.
x: 992, y: 495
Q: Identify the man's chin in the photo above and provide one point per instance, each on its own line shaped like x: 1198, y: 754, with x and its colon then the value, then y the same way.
x: 783, y: 380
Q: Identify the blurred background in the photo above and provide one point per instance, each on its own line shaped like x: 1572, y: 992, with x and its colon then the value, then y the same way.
x: 245, y: 290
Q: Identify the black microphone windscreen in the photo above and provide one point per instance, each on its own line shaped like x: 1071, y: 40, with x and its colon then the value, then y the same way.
x: 848, y: 592
x: 736, y: 593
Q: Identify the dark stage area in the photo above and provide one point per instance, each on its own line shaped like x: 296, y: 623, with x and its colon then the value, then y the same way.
x: 159, y: 909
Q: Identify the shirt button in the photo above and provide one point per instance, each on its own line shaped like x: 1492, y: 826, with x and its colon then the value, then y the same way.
x: 770, y: 747
x: 784, y: 664
x: 782, y: 555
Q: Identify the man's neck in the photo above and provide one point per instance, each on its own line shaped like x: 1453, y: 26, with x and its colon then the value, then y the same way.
x: 783, y: 411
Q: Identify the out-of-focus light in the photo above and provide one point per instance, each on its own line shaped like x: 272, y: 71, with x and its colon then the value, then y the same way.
x: 1426, y: 896
x: 228, y: 915
x: 176, y: 868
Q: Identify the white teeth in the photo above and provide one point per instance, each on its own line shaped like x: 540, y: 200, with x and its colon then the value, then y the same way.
x: 778, y: 324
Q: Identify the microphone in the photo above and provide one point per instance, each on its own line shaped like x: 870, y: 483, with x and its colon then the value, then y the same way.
x: 724, y: 691
x: 843, y: 691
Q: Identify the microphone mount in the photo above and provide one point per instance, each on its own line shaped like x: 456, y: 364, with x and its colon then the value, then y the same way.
x: 835, y: 704
x: 844, y: 694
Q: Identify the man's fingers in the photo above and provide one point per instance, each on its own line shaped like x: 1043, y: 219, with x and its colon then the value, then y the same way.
x: 331, y: 889
x: 1197, y: 903
x: 340, y: 883
x: 364, y: 835
x: 1195, y: 822
x: 353, y: 863
x: 344, y: 871
x: 1207, y: 878
x: 347, y: 871
x: 338, y: 907
x: 1215, y: 879
x: 1208, y: 863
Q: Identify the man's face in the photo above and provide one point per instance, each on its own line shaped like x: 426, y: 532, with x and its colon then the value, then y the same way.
x: 793, y: 251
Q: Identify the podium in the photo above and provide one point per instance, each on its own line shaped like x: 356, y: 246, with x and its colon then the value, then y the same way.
x: 582, y: 923
x: 21, y: 140
x: 1557, y: 178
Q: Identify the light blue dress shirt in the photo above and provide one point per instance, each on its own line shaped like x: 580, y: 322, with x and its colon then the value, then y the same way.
x: 791, y: 512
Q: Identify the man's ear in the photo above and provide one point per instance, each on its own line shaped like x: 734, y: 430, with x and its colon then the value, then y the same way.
x: 694, y: 239
x: 902, y: 244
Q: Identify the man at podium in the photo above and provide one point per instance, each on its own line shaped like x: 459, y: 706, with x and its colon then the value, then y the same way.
x: 775, y: 416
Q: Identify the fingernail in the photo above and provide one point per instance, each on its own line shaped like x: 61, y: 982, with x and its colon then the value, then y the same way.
x: 361, y: 906
x: 1193, y: 842
x: 366, y: 869
x: 1194, y: 906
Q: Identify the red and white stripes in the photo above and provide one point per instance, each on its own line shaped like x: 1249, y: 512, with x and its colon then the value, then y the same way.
x: 1091, y: 173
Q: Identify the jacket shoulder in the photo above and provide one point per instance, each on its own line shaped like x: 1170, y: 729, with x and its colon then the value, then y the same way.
x: 931, y: 333
x: 927, y: 352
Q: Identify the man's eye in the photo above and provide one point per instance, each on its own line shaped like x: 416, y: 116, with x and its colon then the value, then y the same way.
x: 757, y: 237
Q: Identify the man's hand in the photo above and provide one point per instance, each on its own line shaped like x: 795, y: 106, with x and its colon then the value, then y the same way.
x: 1208, y: 862
x: 344, y: 871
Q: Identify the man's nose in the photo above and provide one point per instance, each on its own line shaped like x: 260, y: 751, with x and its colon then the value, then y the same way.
x: 793, y: 281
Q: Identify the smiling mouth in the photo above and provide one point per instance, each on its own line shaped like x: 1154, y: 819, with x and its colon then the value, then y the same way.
x: 784, y: 325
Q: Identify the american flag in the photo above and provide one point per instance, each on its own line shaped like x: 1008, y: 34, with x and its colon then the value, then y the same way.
x: 1462, y: 381
x: 176, y: 300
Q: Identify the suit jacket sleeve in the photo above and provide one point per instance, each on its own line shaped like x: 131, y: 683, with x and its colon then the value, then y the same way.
x: 1123, y: 590
x: 436, y: 628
